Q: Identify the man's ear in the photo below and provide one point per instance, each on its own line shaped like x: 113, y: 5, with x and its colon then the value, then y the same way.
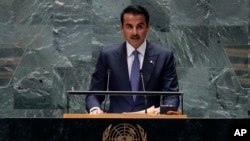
x: 121, y: 27
x: 148, y: 27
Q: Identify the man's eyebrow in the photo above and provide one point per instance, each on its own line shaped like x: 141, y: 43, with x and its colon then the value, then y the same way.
x: 128, y: 24
x: 137, y: 24
x: 141, y: 24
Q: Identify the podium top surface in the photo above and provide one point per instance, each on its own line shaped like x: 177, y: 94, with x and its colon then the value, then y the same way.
x: 149, y: 93
x: 124, y: 116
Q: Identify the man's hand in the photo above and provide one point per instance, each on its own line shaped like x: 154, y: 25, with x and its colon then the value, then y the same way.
x: 96, y: 111
x: 157, y: 111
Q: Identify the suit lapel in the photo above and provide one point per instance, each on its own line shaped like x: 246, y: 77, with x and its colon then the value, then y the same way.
x: 121, y: 60
x: 149, y: 63
x: 122, y: 66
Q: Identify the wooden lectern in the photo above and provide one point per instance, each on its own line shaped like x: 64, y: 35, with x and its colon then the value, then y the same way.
x: 131, y: 115
x: 125, y: 116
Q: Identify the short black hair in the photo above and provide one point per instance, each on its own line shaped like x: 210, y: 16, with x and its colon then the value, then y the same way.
x: 135, y: 10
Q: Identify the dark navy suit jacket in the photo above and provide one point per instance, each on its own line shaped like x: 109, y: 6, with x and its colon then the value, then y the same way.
x: 159, y: 74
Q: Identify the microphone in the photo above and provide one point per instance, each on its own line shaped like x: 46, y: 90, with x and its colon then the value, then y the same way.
x: 143, y: 87
x: 108, y: 73
x: 107, y: 89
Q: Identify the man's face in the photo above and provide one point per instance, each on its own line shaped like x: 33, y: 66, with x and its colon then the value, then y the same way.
x: 134, y: 29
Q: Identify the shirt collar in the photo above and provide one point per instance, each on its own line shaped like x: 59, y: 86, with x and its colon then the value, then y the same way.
x: 141, y: 49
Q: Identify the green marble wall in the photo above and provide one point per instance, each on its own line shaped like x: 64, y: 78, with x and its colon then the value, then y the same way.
x: 50, y: 46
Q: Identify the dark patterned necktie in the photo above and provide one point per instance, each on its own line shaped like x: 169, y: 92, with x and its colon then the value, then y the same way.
x: 135, y: 73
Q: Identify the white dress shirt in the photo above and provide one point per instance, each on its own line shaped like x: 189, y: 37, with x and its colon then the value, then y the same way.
x: 130, y: 57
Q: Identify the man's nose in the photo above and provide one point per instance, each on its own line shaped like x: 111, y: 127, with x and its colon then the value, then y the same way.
x: 135, y: 31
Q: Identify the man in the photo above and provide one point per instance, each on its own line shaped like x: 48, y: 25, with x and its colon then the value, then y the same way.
x: 121, y: 66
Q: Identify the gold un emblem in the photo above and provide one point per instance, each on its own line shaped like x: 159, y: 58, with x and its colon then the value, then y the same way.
x: 124, y: 132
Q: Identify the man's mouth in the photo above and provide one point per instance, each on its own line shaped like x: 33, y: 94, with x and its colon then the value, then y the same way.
x: 135, y: 37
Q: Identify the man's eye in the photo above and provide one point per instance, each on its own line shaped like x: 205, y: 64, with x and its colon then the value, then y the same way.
x: 129, y: 27
x: 139, y: 27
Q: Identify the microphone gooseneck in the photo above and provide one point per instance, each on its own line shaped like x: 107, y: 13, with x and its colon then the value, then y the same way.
x: 107, y: 89
x: 143, y: 87
x: 108, y: 73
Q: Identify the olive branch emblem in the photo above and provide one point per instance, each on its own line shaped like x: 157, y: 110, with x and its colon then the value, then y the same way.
x: 139, y: 132
x: 106, y: 133
x: 143, y: 133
